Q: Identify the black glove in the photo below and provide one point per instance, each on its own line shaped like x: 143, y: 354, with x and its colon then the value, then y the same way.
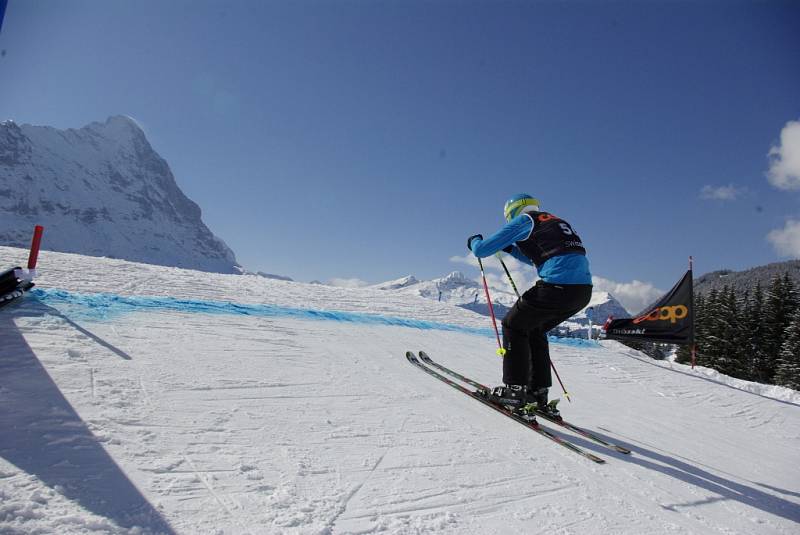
x: 509, y: 249
x: 469, y: 240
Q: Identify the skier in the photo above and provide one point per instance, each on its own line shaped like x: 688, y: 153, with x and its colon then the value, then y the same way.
x: 564, y: 288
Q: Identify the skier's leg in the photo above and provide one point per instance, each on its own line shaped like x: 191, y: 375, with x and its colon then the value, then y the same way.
x: 523, y: 335
x: 540, y: 360
x: 554, y: 304
x: 517, y: 360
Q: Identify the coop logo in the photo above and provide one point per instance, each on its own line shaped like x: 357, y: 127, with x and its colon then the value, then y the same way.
x: 671, y: 313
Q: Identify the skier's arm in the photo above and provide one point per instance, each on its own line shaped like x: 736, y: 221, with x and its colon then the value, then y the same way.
x: 515, y: 230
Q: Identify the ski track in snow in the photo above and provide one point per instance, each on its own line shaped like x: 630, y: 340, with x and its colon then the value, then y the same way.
x: 164, y: 421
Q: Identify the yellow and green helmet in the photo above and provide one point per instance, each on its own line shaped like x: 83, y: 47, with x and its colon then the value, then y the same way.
x: 519, y: 204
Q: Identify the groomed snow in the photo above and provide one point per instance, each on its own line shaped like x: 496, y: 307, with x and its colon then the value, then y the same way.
x: 158, y: 419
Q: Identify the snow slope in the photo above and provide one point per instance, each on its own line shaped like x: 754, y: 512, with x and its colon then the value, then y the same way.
x: 147, y: 415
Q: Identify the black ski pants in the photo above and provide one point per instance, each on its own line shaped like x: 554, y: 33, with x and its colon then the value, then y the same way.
x: 527, y: 359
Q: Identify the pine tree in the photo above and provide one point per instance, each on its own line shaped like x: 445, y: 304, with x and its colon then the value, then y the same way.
x: 753, y: 327
x: 726, y: 334
x: 711, y: 347
x: 703, y: 324
x: 787, y: 371
x: 792, y: 295
x: 741, y: 351
x: 684, y: 353
x: 777, y: 309
x: 700, y: 320
x: 751, y: 336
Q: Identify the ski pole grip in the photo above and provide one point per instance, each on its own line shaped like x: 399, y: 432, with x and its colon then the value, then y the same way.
x: 35, y: 244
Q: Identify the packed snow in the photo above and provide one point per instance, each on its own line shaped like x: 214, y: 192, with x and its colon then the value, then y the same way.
x: 141, y: 399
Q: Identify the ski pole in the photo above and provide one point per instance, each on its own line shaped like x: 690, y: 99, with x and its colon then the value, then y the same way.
x: 511, y: 280
x: 508, y: 273
x: 500, y: 350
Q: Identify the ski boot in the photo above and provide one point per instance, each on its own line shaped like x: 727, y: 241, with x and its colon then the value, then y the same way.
x: 511, y: 396
x: 537, y: 401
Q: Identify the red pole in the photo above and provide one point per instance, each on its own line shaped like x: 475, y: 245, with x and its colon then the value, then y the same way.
x: 566, y: 394
x: 500, y: 350
x: 37, y: 241
x: 694, y: 346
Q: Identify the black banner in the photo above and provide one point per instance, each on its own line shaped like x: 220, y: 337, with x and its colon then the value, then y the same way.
x: 669, y: 320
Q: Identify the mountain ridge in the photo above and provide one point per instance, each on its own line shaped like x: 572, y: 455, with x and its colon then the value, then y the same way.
x: 102, y: 190
x: 747, y: 278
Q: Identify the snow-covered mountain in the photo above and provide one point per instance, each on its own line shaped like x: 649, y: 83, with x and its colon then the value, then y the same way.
x: 600, y: 307
x: 101, y: 190
x: 455, y: 289
x: 397, y: 284
x: 458, y: 289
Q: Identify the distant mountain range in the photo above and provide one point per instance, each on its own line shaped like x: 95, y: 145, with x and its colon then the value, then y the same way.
x: 101, y: 190
x: 457, y: 289
x: 747, y: 279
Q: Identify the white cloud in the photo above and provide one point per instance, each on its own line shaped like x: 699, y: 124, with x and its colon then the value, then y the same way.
x: 786, y: 241
x: 524, y: 275
x: 634, y: 295
x: 784, y: 166
x: 721, y: 193
x: 469, y: 260
x: 347, y: 283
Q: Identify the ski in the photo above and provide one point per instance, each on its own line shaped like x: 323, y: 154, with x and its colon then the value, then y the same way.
x: 530, y: 424
x: 558, y: 421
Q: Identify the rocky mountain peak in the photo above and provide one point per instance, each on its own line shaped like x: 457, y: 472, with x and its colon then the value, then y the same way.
x: 101, y: 190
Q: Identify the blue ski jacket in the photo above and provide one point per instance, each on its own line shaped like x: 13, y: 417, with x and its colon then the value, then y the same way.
x: 569, y: 268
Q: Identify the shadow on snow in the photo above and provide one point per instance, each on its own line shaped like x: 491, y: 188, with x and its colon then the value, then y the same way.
x: 693, y: 473
x: 44, y: 436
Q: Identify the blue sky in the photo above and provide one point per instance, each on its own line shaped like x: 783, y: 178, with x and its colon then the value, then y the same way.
x: 353, y: 139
